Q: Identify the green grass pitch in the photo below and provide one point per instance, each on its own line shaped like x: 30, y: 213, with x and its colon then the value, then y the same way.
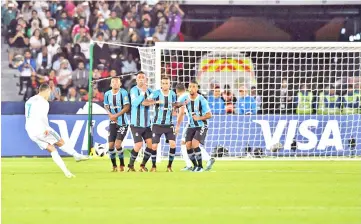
x: 281, y: 192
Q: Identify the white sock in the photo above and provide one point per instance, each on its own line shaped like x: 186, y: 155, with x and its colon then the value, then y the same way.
x: 205, y: 156
x: 185, y: 156
x: 59, y: 161
x: 69, y: 150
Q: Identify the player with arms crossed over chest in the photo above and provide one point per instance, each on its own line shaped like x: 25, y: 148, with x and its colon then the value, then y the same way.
x: 140, y: 123
x: 198, y: 114
x: 116, y: 103
x: 39, y: 131
x: 181, y: 92
x: 163, y: 124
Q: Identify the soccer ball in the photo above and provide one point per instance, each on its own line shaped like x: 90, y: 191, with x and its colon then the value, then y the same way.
x: 100, y: 149
x: 276, y: 147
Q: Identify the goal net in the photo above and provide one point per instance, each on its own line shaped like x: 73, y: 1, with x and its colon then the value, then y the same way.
x: 268, y: 100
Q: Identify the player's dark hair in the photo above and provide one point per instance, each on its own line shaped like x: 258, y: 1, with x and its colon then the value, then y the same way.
x: 180, y: 87
x: 194, y: 82
x: 140, y: 72
x: 165, y: 78
x: 43, y: 87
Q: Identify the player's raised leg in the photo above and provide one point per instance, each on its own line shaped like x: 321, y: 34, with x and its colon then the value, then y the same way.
x: 65, y: 147
x: 59, y: 161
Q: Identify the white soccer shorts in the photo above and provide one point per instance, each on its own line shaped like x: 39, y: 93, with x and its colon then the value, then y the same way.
x: 44, y: 140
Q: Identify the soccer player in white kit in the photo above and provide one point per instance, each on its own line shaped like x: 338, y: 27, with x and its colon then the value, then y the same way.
x: 39, y: 131
x: 181, y: 92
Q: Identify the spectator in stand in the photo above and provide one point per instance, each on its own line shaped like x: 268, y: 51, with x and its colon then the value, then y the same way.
x: 304, y: 101
x: 117, y: 7
x: 18, y: 42
x: 55, y: 91
x: 160, y: 33
x: 32, y: 88
x: 34, y: 26
x: 101, y: 51
x: 70, y: 8
x: 79, y: 77
x: 46, y: 20
x: 128, y: 18
x: 146, y: 31
x: 56, y: 64
x: 36, y: 43
x: 175, y: 17
x: 43, y: 61
x: 116, y: 63
x: 129, y: 65
x: 332, y: 102
x: 53, y: 48
x: 83, y: 11
x: 104, y: 9
x: 77, y: 27
x: 97, y: 96
x: 283, y: 98
x: 64, y: 25
x: 81, y: 36
x: 27, y: 68
x: 49, y: 31
x: 64, y: 76
x: 34, y: 17
x: 258, y: 99
x: 77, y: 56
x: 101, y: 27
x: 229, y: 99
x: 114, y: 22
x: 216, y: 102
x: 72, y: 96
x: 350, y: 101
x: 174, y: 68
x: 246, y: 105
x: 8, y: 14
x: 26, y: 11
x: 114, y: 38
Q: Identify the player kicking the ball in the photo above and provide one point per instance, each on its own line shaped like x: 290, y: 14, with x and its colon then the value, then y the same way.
x: 163, y: 100
x: 198, y: 113
x: 140, y: 123
x: 116, y: 103
x: 39, y: 131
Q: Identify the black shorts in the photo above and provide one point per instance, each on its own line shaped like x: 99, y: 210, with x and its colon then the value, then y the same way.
x: 198, y: 133
x: 117, y: 132
x: 140, y: 134
x: 159, y: 130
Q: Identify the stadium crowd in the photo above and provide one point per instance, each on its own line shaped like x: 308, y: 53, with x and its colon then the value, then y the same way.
x: 49, y: 41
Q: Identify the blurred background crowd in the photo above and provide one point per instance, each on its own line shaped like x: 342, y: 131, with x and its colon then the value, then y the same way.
x: 48, y: 42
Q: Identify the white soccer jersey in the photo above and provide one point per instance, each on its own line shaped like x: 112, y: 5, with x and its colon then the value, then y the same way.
x: 36, y: 114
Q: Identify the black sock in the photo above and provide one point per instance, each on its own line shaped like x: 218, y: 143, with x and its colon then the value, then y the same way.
x: 192, y: 156
x: 133, y: 157
x: 154, y: 158
x: 121, y: 156
x: 171, y: 156
x: 198, y: 155
x: 147, y: 154
x: 112, y: 157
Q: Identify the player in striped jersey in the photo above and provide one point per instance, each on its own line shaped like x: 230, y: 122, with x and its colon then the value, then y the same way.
x: 116, y: 103
x: 140, y: 121
x: 181, y: 92
x: 162, y: 123
x: 198, y: 114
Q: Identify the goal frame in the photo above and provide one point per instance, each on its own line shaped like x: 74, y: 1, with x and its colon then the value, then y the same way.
x: 302, y: 47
